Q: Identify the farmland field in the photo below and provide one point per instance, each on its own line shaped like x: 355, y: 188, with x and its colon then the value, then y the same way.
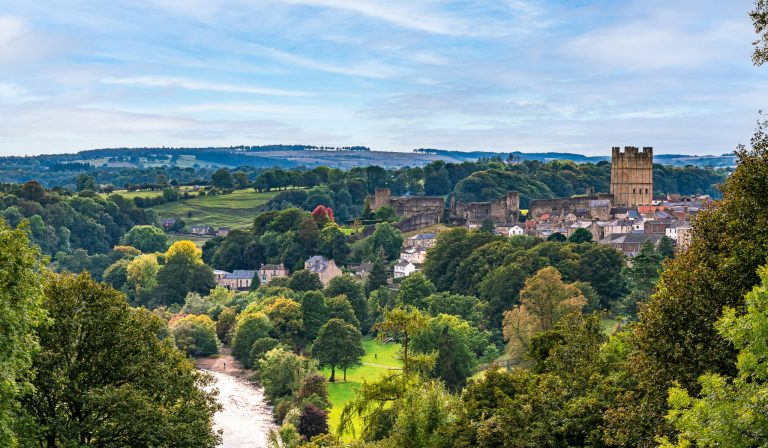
x: 234, y: 210
x: 379, y: 359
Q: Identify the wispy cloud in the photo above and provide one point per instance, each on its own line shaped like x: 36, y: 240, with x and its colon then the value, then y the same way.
x: 190, y: 84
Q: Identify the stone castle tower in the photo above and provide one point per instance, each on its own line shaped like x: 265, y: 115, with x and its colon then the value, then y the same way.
x: 632, y: 176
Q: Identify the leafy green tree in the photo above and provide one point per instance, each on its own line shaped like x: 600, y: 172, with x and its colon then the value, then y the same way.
x: 487, y: 226
x: 195, y: 335
x: 340, y: 308
x: 451, y: 248
x: 222, y: 179
x: 348, y: 286
x: 333, y: 243
x: 338, y: 344
x: 21, y: 312
x: 730, y: 411
x: 557, y: 237
x: 303, y: 280
x: 315, y: 313
x: 580, y: 236
x: 385, y: 213
x: 377, y: 277
x: 249, y: 328
x: 403, y: 323
x: 282, y: 373
x: 286, y: 318
x: 111, y: 382
x: 147, y: 239
x: 387, y: 239
x: 449, y: 337
x: 601, y: 266
x: 240, y: 179
x: 666, y: 247
x: 85, y: 182
x: 260, y: 347
x: 183, y: 272
x: 414, y: 289
x: 469, y: 308
x: 225, y: 324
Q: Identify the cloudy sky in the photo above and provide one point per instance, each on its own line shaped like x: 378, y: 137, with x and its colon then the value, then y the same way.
x: 545, y: 75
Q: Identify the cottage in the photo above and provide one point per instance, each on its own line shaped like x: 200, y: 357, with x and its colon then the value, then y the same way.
x: 238, y: 280
x: 201, y: 230
x: 326, y: 269
x: 672, y: 230
x: 168, y: 223
x: 223, y: 231
x: 414, y: 255
x: 267, y: 272
x: 425, y: 240
x: 405, y: 268
x: 363, y: 269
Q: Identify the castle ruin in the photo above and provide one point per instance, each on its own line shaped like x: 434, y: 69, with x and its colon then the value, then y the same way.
x: 632, y: 176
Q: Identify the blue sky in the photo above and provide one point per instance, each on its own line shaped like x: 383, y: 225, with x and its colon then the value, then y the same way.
x: 501, y: 75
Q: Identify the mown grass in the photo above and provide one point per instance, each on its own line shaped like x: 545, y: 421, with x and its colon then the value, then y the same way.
x: 234, y: 210
x: 379, y: 359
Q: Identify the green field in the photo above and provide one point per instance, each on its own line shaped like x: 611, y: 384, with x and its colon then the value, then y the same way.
x: 134, y: 194
x: 379, y: 359
x: 234, y: 210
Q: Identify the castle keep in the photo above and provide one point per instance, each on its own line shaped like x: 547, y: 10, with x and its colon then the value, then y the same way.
x: 632, y: 176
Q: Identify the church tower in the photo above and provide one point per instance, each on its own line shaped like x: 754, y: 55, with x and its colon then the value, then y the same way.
x: 632, y: 176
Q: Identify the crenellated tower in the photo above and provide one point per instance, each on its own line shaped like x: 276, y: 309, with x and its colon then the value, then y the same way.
x: 632, y: 176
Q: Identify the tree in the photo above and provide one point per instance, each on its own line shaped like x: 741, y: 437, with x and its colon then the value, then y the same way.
x: 250, y: 327
x: 543, y: 302
x: 222, y: 179
x: 387, y: 239
x: 315, y: 313
x: 449, y: 337
x: 580, y: 236
x: 414, y: 290
x: 112, y: 381
x: 195, y: 335
x: 21, y: 312
x: 558, y: 237
x: 225, y: 325
x: 601, y: 266
x: 338, y: 344
x: 141, y: 277
x: 377, y: 277
x: 282, y: 373
x: 348, y: 286
x: 313, y: 421
x: 147, y: 239
x: 240, y: 179
x: 85, y: 182
x: 730, y: 411
x: 666, y: 247
x: 334, y: 243
x: 183, y: 272
x: 340, y: 308
x: 303, y: 280
x: 487, y: 226
x: 403, y: 323
x: 759, y: 17
x: 286, y: 318
x: 322, y: 215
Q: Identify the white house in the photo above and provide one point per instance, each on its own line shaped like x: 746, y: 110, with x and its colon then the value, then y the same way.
x: 405, y: 268
x: 414, y: 255
x: 515, y: 230
x: 673, y: 230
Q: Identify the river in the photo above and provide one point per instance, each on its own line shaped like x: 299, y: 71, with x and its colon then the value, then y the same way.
x: 245, y: 419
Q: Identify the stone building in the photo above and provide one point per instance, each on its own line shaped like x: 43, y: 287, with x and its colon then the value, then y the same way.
x: 632, y: 176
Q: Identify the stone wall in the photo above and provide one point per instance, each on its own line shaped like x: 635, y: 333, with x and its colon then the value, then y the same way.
x: 537, y: 207
x: 419, y: 221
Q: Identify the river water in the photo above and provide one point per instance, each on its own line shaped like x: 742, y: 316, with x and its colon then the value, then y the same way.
x: 245, y: 418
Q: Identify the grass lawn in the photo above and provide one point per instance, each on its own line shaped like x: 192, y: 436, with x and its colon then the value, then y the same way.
x: 134, y: 194
x: 234, y: 210
x: 379, y: 359
x: 608, y: 325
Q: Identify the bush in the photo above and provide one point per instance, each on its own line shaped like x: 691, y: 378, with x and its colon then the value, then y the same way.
x: 195, y: 335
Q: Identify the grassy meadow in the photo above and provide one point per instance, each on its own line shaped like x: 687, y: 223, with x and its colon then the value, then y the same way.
x: 379, y: 359
x: 236, y: 209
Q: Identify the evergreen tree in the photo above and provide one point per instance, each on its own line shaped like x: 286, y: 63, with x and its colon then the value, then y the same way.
x: 377, y: 277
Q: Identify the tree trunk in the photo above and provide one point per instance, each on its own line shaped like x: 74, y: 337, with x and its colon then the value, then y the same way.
x: 345, y: 374
x: 332, y: 379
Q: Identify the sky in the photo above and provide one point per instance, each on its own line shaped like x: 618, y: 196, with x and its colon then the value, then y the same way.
x: 498, y: 75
